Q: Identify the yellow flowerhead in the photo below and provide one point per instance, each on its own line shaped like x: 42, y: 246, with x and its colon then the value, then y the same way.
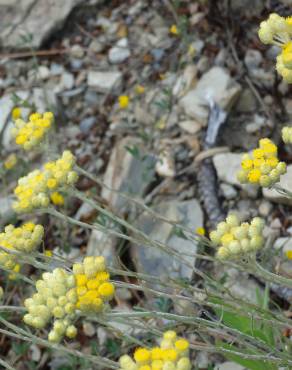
x: 262, y: 166
x: 124, y: 101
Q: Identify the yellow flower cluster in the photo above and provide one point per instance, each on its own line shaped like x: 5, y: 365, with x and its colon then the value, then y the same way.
x: 236, y: 239
x: 55, y: 298
x: 30, y: 134
x: 262, y: 166
x: 277, y: 30
x: 287, y: 135
x: 172, y: 354
x: 93, y: 286
x: 60, y: 294
x: 37, y: 188
x: 23, y: 239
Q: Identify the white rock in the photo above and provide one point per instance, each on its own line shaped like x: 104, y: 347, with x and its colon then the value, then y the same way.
x: 265, y: 208
x: 37, y: 18
x: 104, y: 81
x: 165, y: 166
x: 43, y: 99
x: 229, y: 366
x: 228, y: 191
x: 96, y: 46
x: 88, y: 329
x: 84, y: 210
x: 185, y: 82
x: 66, y: 82
x: 35, y: 352
x: 77, y: 51
x: 286, y: 183
x: 120, y: 52
x: 43, y: 73
x: 252, y: 58
x: 227, y: 165
x: 202, y: 360
x: 215, y: 84
x: 190, y: 126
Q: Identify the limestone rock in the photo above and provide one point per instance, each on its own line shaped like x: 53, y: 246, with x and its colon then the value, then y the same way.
x: 215, y: 84
x: 120, y: 52
x: 154, y: 261
x: 126, y: 172
x: 104, y: 81
x: 32, y: 19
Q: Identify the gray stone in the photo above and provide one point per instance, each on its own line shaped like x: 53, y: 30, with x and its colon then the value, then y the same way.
x: 246, y: 102
x: 229, y: 366
x: 165, y: 165
x: 253, y: 58
x: 88, y: 329
x: 38, y: 19
x: 43, y: 73
x: 238, y: 283
x: 103, y: 244
x: 155, y: 261
x: 228, y: 191
x: 227, y: 165
x: 286, y: 183
x: 104, y: 81
x: 77, y: 51
x: 66, y: 82
x: 84, y: 210
x: 265, y: 208
x: 202, y: 360
x: 256, y: 125
x: 273, y: 52
x: 186, y: 81
x: 87, y: 123
x: 190, y: 126
x: 123, y: 293
x: 44, y: 99
x: 6, y: 211
x: 216, y: 84
x: 96, y: 46
x: 56, y: 69
x: 120, y: 52
x: 126, y: 172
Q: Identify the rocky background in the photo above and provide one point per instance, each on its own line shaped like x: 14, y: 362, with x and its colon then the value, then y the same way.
x: 77, y: 57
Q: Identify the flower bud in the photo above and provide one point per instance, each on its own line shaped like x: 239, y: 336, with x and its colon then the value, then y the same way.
x: 215, y: 237
x: 223, y: 227
x: 71, y: 331
x: 232, y: 220
x: 223, y: 253
x: 54, y: 337
x: 256, y: 242
x: 234, y: 247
